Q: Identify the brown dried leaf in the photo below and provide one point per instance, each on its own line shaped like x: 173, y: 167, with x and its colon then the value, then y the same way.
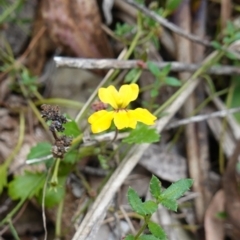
x: 214, y: 226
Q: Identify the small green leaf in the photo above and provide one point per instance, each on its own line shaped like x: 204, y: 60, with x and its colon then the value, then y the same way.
x: 103, y: 162
x: 172, y: 81
x: 171, y: 5
x: 157, y: 231
x: 42, y: 149
x: 142, y: 134
x: 177, y: 189
x: 71, y: 129
x: 154, y: 69
x: 154, y: 93
x: 135, y: 202
x: 131, y: 76
x: 72, y: 156
x: 147, y: 237
x: 165, y: 71
x: 26, y: 186
x: 155, y: 187
x: 122, y: 29
x: 129, y: 237
x: 150, y: 207
x: 216, y: 45
x: 3, y: 177
x: 169, y: 203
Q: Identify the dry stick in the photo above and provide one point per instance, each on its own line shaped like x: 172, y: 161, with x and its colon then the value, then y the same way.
x: 168, y: 24
x: 201, y: 131
x: 86, y: 63
x: 184, y: 54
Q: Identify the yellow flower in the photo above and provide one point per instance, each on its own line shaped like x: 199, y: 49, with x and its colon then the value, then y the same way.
x: 121, y: 116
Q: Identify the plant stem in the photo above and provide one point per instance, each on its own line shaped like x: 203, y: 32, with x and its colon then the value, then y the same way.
x: 13, y: 230
x: 146, y: 220
x: 59, y: 218
x: 54, y: 180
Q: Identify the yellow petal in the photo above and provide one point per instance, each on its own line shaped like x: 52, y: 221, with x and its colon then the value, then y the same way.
x: 110, y: 95
x: 100, y: 121
x: 128, y: 93
x: 121, y: 119
x: 142, y: 115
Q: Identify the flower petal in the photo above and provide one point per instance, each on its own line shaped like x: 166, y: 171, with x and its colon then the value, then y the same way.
x: 122, y: 120
x: 110, y: 95
x: 100, y: 121
x: 128, y: 93
x: 142, y: 115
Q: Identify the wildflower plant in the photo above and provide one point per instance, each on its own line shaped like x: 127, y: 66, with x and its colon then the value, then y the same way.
x: 121, y: 116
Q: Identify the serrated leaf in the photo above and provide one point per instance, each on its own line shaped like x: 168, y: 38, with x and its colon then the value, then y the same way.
x: 3, y: 177
x: 169, y: 204
x: 154, y: 69
x: 177, y: 189
x: 147, y: 237
x: 157, y: 231
x: 42, y: 149
x: 135, y: 202
x: 172, y: 81
x: 26, y: 186
x: 129, y: 237
x: 171, y: 5
x: 155, y: 187
x: 54, y: 196
x: 142, y: 134
x: 150, y: 207
x: 71, y: 129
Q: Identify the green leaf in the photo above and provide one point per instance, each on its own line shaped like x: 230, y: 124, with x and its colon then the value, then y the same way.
x: 42, y: 149
x: 154, y: 69
x: 26, y: 186
x: 72, y: 129
x: 155, y: 187
x: 216, y: 45
x: 169, y: 203
x: 54, y: 196
x: 135, y: 202
x: 72, y: 156
x: 172, y: 81
x: 131, y: 76
x: 154, y: 93
x: 142, y: 134
x: 150, y: 207
x: 122, y: 29
x: 129, y: 237
x: 147, y: 237
x: 3, y: 177
x: 165, y: 71
x: 177, y: 189
x: 171, y: 5
x: 157, y: 231
x: 103, y: 162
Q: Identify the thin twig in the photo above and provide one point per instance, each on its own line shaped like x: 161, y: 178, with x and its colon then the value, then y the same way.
x: 86, y: 63
x: 168, y: 24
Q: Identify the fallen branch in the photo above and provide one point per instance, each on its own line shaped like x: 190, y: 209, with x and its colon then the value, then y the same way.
x: 86, y: 63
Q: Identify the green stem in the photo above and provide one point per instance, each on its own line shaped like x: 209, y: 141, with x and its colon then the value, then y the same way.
x: 54, y: 179
x: 61, y: 101
x: 59, y: 218
x: 13, y: 230
x: 140, y: 231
